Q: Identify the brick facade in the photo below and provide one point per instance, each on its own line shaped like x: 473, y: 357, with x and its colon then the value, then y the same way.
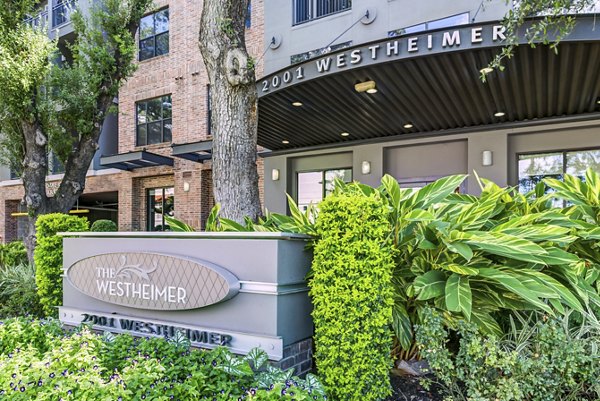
x: 180, y: 73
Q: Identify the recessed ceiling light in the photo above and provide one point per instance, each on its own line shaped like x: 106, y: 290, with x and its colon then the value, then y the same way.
x: 297, y: 104
x: 345, y: 134
x: 408, y: 125
x: 285, y: 141
x: 486, y: 70
x: 371, y: 91
x: 499, y: 114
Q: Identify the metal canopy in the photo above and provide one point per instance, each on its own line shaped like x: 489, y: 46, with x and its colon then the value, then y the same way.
x: 132, y: 160
x: 196, y: 151
x: 434, y: 93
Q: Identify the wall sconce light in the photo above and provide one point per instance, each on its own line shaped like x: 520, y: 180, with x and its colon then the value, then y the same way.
x: 275, y: 174
x: 487, y: 158
x: 186, y: 187
x: 365, y: 167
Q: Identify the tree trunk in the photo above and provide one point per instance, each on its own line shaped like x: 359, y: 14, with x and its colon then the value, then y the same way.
x: 234, y: 108
x: 35, y: 167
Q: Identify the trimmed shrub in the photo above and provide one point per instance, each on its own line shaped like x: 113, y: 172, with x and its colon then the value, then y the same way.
x: 48, y: 256
x: 103, y: 226
x: 12, y: 254
x: 352, y: 295
x: 18, y: 291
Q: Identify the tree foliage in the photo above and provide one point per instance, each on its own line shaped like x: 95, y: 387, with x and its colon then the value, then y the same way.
x: 537, y: 21
x: 46, y: 107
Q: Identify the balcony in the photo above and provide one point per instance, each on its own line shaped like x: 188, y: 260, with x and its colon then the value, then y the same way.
x: 61, y: 12
x: 39, y: 21
x: 308, y: 10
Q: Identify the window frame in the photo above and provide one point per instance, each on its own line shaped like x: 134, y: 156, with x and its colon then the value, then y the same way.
x: 154, y: 35
x: 161, y: 120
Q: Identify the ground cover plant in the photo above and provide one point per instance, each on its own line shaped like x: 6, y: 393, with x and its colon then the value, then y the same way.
x: 539, y: 359
x: 38, y: 360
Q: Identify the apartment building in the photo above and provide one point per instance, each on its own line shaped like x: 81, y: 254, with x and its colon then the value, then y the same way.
x: 350, y: 89
x: 154, y: 156
x: 356, y: 89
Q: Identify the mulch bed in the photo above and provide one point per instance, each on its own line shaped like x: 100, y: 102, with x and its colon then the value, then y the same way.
x: 408, y: 388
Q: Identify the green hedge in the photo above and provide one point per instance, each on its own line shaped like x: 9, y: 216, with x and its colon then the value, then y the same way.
x: 12, y: 254
x: 48, y: 256
x: 103, y: 226
x: 352, y: 295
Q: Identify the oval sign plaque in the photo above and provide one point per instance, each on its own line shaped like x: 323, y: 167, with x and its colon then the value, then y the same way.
x: 152, y: 281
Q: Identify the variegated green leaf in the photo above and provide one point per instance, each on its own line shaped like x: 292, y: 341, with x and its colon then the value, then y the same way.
x: 434, y: 192
x: 258, y: 357
x: 419, y: 215
x: 460, y: 269
x: 506, y: 245
x: 430, y: 285
x: 458, y: 295
x: 402, y: 326
x: 513, y: 285
x: 591, y: 234
x: 539, y: 233
x: 461, y: 248
x: 178, y: 225
x: 556, y: 256
x: 565, y: 294
x: 486, y: 323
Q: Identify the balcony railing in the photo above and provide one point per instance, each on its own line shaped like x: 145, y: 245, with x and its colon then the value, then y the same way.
x: 61, y: 12
x: 308, y: 10
x: 39, y: 21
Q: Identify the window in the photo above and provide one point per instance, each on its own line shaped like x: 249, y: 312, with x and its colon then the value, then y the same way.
x: 154, y: 34
x: 61, y: 12
x: 154, y: 122
x: 313, y: 186
x: 209, y: 111
x: 249, y: 16
x: 161, y: 203
x: 306, y: 10
x: 453, y: 20
x: 533, y: 168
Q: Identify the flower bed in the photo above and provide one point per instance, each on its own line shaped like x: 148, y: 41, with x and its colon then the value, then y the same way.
x: 38, y: 360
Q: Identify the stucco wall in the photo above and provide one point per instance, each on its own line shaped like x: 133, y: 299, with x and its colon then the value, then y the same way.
x: 390, y: 15
x: 452, y: 154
